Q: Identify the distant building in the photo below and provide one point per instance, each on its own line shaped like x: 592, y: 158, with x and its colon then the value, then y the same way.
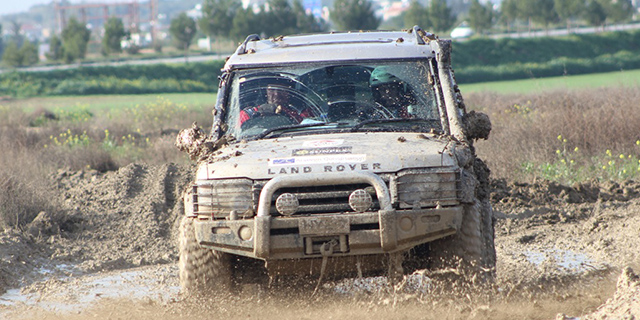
x: 314, y: 7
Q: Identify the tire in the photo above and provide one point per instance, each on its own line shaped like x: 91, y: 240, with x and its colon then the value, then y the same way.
x: 471, y: 251
x: 202, y: 270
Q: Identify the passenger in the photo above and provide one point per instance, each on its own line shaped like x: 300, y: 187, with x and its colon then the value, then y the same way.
x: 392, y: 93
x: 278, y: 102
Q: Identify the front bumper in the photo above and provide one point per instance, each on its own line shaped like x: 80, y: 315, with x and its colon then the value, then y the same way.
x: 344, y: 234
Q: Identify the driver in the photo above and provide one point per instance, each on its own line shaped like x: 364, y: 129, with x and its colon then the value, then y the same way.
x: 277, y: 103
x: 391, y: 92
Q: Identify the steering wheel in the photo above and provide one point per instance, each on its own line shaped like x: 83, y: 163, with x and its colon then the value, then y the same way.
x: 267, y: 121
x: 373, y: 111
x: 361, y: 110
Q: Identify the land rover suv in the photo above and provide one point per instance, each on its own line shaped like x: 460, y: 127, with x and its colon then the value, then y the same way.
x: 336, y: 154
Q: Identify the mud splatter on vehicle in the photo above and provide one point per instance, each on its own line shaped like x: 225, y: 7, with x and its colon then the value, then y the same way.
x: 328, y: 163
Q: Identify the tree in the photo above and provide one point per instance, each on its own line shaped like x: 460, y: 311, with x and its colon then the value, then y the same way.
x: 544, y: 13
x: 594, y: 13
x: 11, y: 55
x: 1, y: 42
x: 113, y: 34
x: 526, y: 11
x: 440, y: 16
x: 416, y: 15
x: 568, y: 9
x: 354, y: 15
x: 16, y: 33
x: 306, y: 23
x: 183, y: 29
x: 75, y: 38
x: 279, y: 19
x: 55, y: 49
x: 480, y: 17
x: 245, y: 22
x: 618, y: 10
x: 509, y: 12
x: 29, y: 54
x: 217, y: 17
x: 15, y: 56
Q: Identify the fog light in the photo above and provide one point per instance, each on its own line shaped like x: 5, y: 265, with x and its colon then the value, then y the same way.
x: 405, y: 223
x: 287, y: 204
x: 245, y: 233
x: 360, y: 200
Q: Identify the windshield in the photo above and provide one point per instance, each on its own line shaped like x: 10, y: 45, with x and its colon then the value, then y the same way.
x: 314, y: 98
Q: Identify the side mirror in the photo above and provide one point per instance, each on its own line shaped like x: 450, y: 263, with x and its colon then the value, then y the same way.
x: 477, y: 125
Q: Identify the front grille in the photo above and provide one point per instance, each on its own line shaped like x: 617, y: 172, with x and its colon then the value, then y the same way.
x: 410, y: 189
x: 320, y: 199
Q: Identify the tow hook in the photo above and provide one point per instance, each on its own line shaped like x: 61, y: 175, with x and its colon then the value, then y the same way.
x: 326, y: 250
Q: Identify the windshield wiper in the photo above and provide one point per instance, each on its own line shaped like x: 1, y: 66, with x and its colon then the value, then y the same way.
x: 264, y: 134
x: 429, y: 122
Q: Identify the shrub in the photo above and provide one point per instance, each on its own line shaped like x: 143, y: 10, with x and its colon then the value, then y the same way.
x: 131, y: 79
x: 533, y: 134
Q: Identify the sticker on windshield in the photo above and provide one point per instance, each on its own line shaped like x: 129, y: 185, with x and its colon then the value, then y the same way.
x: 319, y: 159
x: 322, y: 143
x: 319, y: 151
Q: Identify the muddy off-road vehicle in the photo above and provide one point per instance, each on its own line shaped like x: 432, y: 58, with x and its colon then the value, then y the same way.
x: 336, y: 154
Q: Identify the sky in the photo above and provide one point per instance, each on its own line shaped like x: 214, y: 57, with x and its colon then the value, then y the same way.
x: 15, y: 6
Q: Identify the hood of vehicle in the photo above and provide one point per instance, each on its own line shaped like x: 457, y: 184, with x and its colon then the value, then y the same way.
x: 378, y: 152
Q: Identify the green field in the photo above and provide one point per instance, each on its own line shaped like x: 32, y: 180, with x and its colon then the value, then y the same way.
x: 630, y: 78
x: 113, y: 102
x: 109, y: 102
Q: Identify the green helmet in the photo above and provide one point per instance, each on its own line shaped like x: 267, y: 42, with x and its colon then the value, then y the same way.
x: 380, y: 76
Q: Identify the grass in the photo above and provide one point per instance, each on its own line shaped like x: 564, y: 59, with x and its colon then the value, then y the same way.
x: 565, y: 135
x: 97, y: 103
x: 628, y: 78
x: 40, y: 137
x: 562, y: 135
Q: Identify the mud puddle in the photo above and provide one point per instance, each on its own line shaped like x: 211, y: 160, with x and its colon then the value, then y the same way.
x: 116, y: 250
x: 76, y: 293
x: 154, y: 291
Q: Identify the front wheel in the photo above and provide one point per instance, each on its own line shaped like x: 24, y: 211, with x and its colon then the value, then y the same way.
x: 201, y: 270
x: 471, y: 251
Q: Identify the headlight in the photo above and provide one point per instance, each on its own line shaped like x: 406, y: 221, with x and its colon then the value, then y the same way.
x: 217, y: 198
x: 426, y: 188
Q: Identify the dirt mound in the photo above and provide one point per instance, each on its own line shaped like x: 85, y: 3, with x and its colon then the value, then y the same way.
x: 558, y: 246
x: 120, y: 219
x: 625, y: 303
x: 19, y: 256
x: 515, y: 196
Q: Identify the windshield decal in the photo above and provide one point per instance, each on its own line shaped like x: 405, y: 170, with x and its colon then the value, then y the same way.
x: 319, y: 151
x: 322, y: 143
x: 319, y: 159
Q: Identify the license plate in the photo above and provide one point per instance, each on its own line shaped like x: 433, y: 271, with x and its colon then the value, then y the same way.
x: 320, y: 226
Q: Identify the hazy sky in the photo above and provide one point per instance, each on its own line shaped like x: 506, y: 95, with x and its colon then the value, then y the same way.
x: 14, y: 6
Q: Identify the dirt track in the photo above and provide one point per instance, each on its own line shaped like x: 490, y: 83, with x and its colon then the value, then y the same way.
x: 113, y: 255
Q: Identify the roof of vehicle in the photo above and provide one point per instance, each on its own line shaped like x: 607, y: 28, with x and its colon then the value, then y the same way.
x: 334, y: 46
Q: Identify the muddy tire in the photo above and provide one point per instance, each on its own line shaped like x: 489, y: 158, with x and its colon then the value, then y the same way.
x: 201, y: 270
x: 470, y: 253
